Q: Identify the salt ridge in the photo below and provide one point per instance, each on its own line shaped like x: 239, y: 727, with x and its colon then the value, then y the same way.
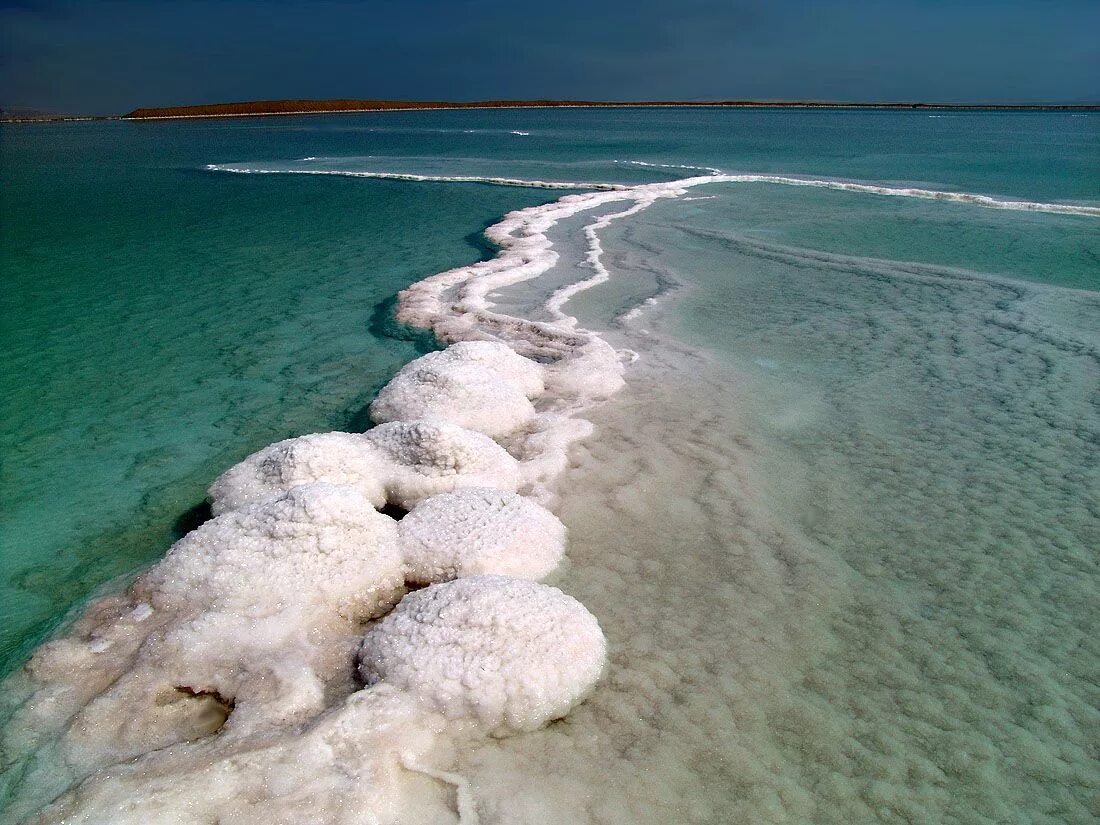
x: 713, y: 176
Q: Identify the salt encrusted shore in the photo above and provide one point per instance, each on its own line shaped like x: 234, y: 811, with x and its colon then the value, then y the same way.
x: 241, y: 647
x: 275, y: 661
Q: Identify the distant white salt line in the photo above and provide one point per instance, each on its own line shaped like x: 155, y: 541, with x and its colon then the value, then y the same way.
x: 556, y: 302
x: 526, y: 252
x: 713, y: 176
x: 532, y: 184
x: 710, y: 169
x: 905, y: 192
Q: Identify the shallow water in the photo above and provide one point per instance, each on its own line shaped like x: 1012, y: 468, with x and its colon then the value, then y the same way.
x: 845, y: 543
x: 840, y: 528
x: 929, y: 441
x: 160, y: 322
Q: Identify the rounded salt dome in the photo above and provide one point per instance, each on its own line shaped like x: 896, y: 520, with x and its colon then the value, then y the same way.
x: 318, y: 545
x: 336, y: 458
x: 507, y: 653
x: 431, y: 457
x: 496, y: 357
x: 460, y: 393
x: 480, y: 530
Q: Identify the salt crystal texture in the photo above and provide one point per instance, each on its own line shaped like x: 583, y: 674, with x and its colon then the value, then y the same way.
x: 507, y: 653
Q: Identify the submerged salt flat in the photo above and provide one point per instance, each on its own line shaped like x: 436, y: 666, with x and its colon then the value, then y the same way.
x: 885, y: 472
x: 836, y: 527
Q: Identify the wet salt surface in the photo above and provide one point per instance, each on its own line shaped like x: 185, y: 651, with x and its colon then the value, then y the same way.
x: 852, y: 560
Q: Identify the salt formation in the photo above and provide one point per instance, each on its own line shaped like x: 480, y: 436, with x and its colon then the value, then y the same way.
x: 493, y: 357
x: 510, y: 653
x: 321, y: 546
x: 339, y: 458
x: 480, y: 385
x: 249, y: 613
x: 355, y: 764
x: 457, y: 393
x: 397, y: 463
x: 425, y: 458
x: 234, y: 656
x: 479, y: 530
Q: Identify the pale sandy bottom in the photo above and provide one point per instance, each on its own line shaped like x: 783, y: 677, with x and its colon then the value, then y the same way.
x: 758, y: 678
x: 713, y: 611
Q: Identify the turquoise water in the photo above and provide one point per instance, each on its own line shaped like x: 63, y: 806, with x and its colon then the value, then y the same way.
x: 158, y: 323
x: 877, y: 418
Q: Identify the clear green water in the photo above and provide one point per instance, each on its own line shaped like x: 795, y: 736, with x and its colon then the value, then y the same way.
x: 915, y: 385
x: 159, y: 322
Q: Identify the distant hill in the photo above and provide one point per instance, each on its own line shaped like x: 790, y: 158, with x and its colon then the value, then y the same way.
x: 287, y: 107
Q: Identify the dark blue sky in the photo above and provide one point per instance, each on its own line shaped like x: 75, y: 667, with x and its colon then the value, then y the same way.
x: 111, y: 56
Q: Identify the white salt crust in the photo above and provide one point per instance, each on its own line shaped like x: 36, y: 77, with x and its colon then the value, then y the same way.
x: 459, y: 393
x: 156, y: 692
x: 477, y: 531
x: 339, y: 458
x: 510, y: 653
x: 321, y: 544
x: 397, y: 463
x: 238, y: 629
x: 425, y: 458
x: 497, y: 358
x: 358, y: 763
x: 479, y: 385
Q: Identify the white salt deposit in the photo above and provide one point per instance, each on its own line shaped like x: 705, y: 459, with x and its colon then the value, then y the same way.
x: 318, y: 544
x: 398, y: 463
x: 510, y: 653
x: 425, y: 458
x: 479, y: 385
x: 464, y: 394
x: 496, y: 357
x: 221, y: 686
x: 242, y: 628
x: 480, y: 530
x: 338, y: 458
x: 355, y: 763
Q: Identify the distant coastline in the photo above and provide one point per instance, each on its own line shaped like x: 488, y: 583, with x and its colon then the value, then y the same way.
x: 269, y: 108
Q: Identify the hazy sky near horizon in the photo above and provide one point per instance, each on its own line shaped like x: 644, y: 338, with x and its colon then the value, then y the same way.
x: 110, y: 56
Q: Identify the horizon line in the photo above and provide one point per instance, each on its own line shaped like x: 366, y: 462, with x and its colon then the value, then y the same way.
x: 306, y: 106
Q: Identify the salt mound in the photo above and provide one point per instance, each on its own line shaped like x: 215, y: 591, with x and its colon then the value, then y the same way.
x: 592, y: 371
x: 462, y: 394
x: 339, y: 458
x: 479, y: 530
x: 250, y: 607
x: 431, y: 457
x: 508, y: 653
x: 319, y: 543
x: 399, y: 462
x: 499, y: 359
x: 480, y: 385
x: 347, y: 765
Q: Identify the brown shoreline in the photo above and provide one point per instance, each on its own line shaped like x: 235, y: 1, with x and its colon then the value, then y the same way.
x: 294, y: 107
x: 267, y: 108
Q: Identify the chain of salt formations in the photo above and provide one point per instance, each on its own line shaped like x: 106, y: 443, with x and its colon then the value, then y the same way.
x: 229, y: 658
x: 226, y: 655
x: 219, y: 685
